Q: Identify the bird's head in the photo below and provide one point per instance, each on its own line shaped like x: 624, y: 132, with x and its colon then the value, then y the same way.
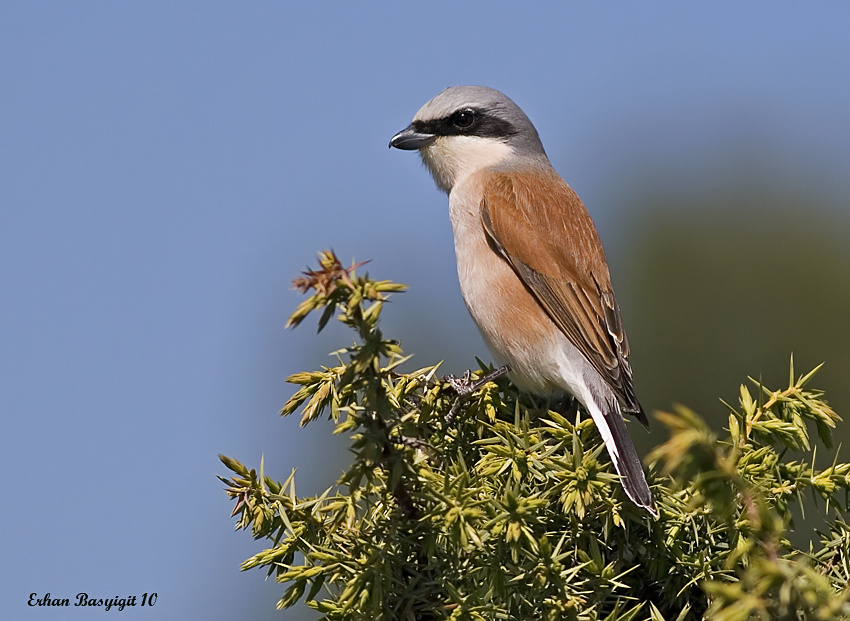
x: 465, y: 129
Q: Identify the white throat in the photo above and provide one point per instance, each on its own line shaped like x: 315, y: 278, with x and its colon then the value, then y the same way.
x: 451, y: 158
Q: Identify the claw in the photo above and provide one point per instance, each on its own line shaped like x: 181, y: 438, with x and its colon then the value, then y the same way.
x: 464, y: 387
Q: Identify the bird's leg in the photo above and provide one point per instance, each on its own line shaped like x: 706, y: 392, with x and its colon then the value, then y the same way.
x: 464, y: 387
x: 489, y: 377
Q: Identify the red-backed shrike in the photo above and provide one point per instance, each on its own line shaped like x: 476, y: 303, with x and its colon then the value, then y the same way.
x: 532, y: 270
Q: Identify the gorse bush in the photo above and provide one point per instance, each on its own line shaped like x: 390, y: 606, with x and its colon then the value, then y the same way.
x: 507, y: 507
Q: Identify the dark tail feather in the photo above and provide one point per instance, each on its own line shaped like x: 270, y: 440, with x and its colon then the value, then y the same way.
x: 625, y: 458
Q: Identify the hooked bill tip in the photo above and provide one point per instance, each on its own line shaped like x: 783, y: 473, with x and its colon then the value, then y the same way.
x: 409, y: 139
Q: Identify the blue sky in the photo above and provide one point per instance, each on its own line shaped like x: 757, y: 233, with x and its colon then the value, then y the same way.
x: 167, y: 168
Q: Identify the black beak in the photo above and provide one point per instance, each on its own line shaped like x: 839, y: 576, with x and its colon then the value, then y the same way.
x: 409, y: 139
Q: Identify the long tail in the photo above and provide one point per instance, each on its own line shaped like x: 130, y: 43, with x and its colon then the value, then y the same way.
x: 611, y: 426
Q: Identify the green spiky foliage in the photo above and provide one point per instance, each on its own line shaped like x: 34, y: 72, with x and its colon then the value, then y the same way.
x: 508, y: 507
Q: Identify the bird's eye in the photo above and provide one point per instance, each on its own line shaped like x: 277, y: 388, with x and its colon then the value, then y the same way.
x: 463, y: 119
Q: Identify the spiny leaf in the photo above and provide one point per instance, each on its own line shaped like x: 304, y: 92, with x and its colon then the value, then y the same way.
x: 512, y: 510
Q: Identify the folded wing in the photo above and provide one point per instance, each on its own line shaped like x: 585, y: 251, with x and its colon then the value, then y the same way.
x: 540, y: 226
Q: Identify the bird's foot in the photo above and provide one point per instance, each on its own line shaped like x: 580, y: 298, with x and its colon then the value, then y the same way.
x: 464, y: 387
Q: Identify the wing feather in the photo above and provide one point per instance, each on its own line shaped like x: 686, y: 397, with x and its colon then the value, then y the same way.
x: 540, y: 226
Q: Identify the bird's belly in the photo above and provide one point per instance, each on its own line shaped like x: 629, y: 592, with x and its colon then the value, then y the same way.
x: 516, y: 329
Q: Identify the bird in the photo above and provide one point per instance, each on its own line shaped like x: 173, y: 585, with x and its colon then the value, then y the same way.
x: 531, y: 266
